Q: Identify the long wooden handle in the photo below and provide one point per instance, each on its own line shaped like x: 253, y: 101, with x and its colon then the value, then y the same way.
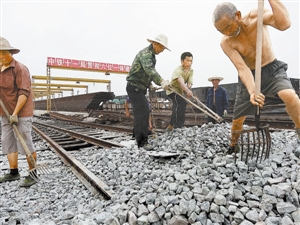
x: 4, y: 109
x: 259, y: 37
x: 207, y: 110
x: 19, y: 135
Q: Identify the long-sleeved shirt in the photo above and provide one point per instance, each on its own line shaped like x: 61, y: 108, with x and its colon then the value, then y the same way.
x: 15, y: 81
x: 218, y: 98
x: 142, y: 71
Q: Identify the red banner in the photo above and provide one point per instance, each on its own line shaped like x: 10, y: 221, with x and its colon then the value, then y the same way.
x: 86, y: 65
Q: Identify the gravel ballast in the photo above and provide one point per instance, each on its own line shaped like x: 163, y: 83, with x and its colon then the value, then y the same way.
x: 201, y: 186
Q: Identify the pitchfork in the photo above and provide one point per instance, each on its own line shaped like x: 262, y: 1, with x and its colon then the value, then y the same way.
x: 259, y: 139
x: 37, y: 169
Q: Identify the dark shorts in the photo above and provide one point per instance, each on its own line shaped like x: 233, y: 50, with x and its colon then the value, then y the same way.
x: 273, y: 80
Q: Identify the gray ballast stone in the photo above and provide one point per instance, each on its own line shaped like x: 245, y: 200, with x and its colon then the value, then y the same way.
x: 178, y: 220
x: 202, y: 185
x: 143, y: 220
x: 132, y: 220
x: 287, y: 221
x: 283, y: 207
x: 246, y: 222
x: 296, y: 215
x: 252, y: 215
x: 220, y: 200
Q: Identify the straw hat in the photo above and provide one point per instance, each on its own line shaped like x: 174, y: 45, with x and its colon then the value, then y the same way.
x: 4, y: 45
x: 215, y: 78
x: 161, y: 39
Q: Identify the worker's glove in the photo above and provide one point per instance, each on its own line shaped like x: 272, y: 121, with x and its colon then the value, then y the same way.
x: 13, y: 120
x: 152, y: 88
x: 225, y: 112
x: 165, y: 84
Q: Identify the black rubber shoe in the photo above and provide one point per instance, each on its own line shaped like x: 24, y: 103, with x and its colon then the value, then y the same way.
x: 27, y: 182
x: 148, y: 147
x: 231, y: 150
x: 9, y: 177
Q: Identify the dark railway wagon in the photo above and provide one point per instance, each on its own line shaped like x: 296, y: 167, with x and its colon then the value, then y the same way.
x: 77, y: 103
x: 91, y: 101
x: 201, y: 92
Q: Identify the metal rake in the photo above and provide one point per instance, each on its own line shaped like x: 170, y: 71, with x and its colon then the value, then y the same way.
x: 37, y: 169
x: 253, y: 143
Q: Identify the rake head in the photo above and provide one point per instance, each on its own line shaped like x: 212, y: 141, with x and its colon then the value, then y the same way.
x: 41, y: 169
x: 253, y: 143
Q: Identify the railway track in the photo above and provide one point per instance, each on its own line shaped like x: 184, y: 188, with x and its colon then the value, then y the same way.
x: 69, y: 139
x: 130, y: 176
x: 73, y: 135
x: 275, y: 120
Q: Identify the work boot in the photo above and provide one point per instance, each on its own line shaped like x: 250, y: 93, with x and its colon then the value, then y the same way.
x: 169, y: 128
x: 147, y: 147
x: 9, y: 177
x: 27, y: 182
x: 231, y: 150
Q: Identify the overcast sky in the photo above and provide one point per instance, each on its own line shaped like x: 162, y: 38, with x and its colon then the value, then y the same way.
x: 114, y: 32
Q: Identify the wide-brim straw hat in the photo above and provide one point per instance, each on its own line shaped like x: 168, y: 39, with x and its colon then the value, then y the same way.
x: 215, y: 78
x: 4, y: 45
x: 161, y: 39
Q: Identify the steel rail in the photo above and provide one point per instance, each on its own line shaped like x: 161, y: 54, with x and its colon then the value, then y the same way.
x: 103, y: 127
x: 83, y: 137
x: 68, y: 159
x: 277, y: 121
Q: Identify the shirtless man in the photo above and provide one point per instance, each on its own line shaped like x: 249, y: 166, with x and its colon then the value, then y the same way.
x: 239, y: 44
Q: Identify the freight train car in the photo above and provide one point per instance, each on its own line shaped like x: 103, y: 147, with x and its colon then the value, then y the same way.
x: 114, y: 110
x: 201, y: 92
x: 93, y: 101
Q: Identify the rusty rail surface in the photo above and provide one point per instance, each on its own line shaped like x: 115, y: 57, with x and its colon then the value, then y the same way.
x: 278, y: 121
x: 94, y: 125
x: 89, y: 139
x: 162, y: 118
x: 69, y: 160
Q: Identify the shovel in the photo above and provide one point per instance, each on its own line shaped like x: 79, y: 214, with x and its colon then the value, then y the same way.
x: 38, y: 169
x: 257, y: 141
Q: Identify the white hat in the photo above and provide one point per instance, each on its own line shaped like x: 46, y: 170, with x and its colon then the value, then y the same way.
x: 4, y: 45
x: 161, y: 39
x: 215, y: 78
